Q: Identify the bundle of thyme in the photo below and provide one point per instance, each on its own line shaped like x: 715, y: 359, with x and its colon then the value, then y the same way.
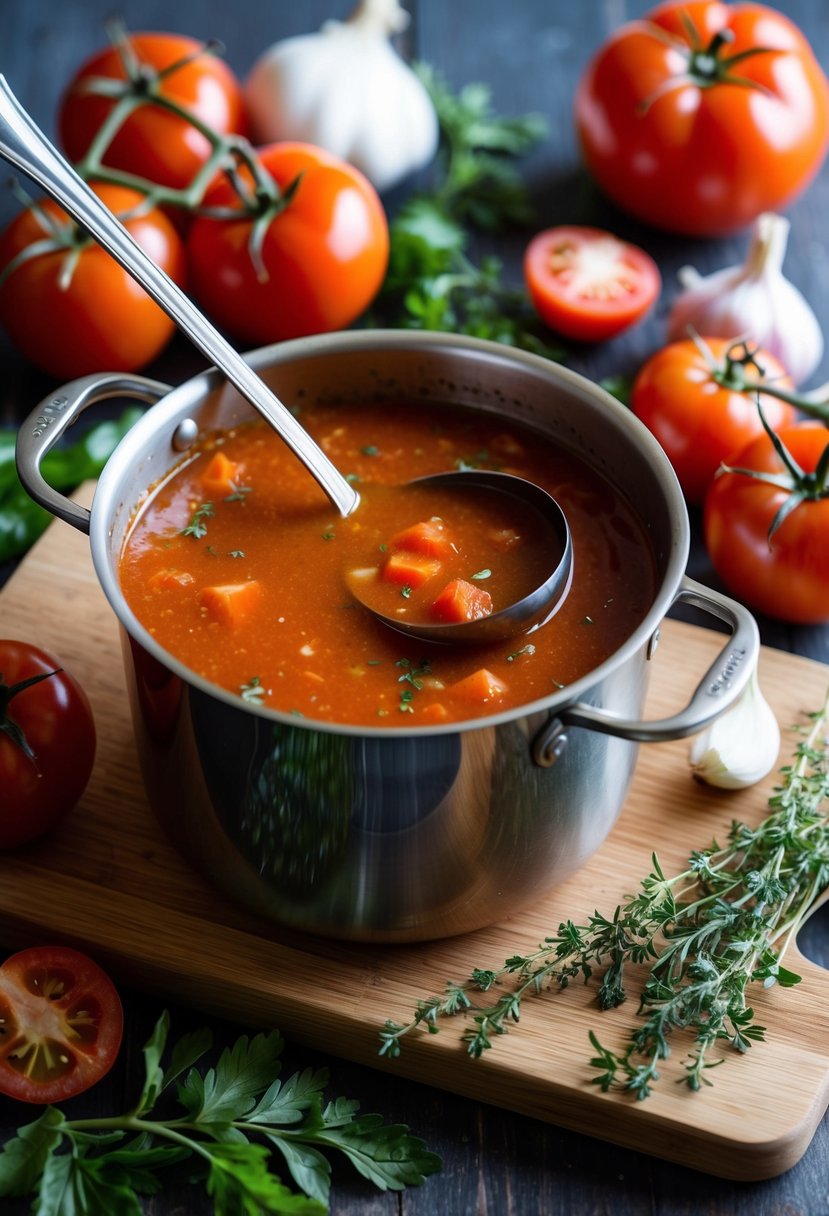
x: 708, y: 933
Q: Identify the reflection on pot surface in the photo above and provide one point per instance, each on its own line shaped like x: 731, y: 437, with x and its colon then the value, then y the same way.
x: 390, y: 838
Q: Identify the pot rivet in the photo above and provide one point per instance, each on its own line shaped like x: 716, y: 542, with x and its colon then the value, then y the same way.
x: 185, y: 435
x: 653, y: 643
x: 549, y: 744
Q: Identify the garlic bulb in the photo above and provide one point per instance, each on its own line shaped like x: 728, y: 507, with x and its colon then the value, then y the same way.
x: 753, y: 301
x: 347, y: 90
x: 741, y: 746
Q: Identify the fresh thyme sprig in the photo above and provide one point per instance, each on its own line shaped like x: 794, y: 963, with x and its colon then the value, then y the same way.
x: 235, y: 1121
x: 707, y: 933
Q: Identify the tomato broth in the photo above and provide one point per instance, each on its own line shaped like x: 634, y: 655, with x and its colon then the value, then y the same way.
x: 238, y: 565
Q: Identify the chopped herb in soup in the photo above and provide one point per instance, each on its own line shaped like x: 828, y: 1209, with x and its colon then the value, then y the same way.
x: 239, y: 566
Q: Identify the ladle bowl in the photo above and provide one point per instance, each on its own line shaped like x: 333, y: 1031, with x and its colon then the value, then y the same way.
x: 24, y: 145
x: 525, y: 614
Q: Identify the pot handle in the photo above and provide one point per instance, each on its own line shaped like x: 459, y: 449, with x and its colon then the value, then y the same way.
x: 55, y: 414
x: 717, y: 690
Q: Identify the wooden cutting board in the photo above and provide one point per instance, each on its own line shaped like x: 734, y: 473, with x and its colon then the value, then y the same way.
x: 108, y: 882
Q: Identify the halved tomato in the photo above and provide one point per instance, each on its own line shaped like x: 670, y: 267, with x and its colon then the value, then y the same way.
x: 588, y: 284
x: 61, y: 1024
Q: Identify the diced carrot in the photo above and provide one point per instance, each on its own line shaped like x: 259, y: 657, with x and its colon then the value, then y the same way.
x: 410, y: 569
x: 169, y: 580
x: 231, y: 603
x: 431, y: 538
x: 461, y: 601
x: 478, y: 688
x: 221, y: 476
x: 433, y: 713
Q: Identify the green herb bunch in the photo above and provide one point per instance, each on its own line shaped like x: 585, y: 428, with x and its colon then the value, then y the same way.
x: 706, y: 935
x: 22, y: 520
x: 433, y: 283
x: 234, y: 1118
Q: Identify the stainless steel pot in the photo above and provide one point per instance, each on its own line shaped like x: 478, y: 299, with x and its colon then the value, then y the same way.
x: 386, y: 834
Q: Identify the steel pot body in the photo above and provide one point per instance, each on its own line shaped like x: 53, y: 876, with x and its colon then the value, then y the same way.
x: 391, y: 834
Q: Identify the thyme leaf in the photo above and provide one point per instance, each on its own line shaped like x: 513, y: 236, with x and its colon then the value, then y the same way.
x: 197, y: 528
x: 706, y: 935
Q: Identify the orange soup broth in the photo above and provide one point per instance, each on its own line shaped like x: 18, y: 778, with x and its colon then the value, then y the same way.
x: 237, y: 565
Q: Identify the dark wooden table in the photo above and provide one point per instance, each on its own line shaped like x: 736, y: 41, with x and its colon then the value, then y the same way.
x: 530, y: 53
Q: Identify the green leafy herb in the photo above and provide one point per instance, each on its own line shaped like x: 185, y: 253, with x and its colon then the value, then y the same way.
x: 22, y: 520
x: 413, y: 677
x: 238, y: 493
x: 253, y: 691
x: 197, y: 527
x: 370, y: 450
x: 478, y: 183
x: 481, y: 575
x: 516, y: 654
x: 330, y: 534
x: 236, y: 1121
x: 433, y: 282
x: 705, y: 934
x: 618, y: 386
x: 406, y: 591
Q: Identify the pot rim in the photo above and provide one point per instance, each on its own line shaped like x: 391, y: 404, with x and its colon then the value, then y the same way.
x: 194, y: 390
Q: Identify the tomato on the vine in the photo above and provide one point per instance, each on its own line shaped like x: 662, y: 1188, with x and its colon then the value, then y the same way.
x: 785, y: 574
x: 47, y: 742
x: 309, y: 262
x: 62, y: 1024
x: 154, y: 143
x: 702, y: 115
x: 686, y: 395
x: 67, y: 305
x: 588, y: 284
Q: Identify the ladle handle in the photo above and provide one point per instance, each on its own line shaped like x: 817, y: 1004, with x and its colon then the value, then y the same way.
x: 24, y: 145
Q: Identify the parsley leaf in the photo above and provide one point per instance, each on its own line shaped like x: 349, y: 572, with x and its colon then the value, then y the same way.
x: 237, y: 1113
x: 433, y: 282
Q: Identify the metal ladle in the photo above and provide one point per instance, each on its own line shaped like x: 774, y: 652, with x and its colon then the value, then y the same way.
x: 24, y: 145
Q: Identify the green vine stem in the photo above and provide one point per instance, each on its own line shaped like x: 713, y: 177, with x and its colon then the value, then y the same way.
x: 734, y: 372
x: 143, y: 85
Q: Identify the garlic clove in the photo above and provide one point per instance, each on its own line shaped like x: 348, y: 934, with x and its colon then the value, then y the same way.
x: 740, y: 747
x: 753, y: 301
x: 347, y: 90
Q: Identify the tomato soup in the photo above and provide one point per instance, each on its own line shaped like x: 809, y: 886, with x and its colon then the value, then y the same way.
x: 239, y: 566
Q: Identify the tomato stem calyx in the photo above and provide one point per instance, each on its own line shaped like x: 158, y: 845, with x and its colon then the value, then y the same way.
x: 8, y: 726
x: 799, y: 485
x: 742, y: 355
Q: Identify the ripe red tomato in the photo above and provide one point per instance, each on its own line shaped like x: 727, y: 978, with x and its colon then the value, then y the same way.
x: 47, y: 742
x: 698, y: 418
x: 587, y: 284
x: 702, y: 115
x: 787, y: 576
x: 152, y: 142
x: 324, y: 254
x: 61, y: 1021
x: 100, y: 320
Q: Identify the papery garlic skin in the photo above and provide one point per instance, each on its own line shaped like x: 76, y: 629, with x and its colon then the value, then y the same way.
x: 347, y: 90
x: 740, y: 747
x: 753, y: 301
